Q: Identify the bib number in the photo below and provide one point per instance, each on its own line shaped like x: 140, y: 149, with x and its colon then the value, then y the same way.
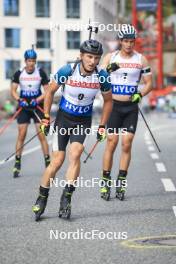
x: 124, y: 77
x: 80, y: 96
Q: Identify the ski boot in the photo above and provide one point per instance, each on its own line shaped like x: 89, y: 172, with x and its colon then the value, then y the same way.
x: 105, y: 189
x: 121, y: 186
x: 17, y: 167
x: 39, y: 207
x: 65, y: 202
x: 47, y: 160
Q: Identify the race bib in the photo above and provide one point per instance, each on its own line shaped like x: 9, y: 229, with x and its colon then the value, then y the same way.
x: 124, y: 89
x: 77, y: 110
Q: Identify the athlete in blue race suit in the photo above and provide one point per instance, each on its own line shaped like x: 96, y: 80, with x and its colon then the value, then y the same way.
x: 80, y: 83
x: 29, y: 79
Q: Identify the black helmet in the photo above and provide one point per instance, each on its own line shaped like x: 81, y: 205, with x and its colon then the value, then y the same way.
x: 126, y: 31
x: 91, y: 46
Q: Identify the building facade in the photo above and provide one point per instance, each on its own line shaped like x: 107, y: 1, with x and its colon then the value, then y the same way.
x: 55, y: 28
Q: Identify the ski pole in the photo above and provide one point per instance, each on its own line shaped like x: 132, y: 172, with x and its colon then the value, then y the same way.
x: 86, y: 153
x: 91, y: 151
x: 10, y: 120
x: 92, y: 29
x: 40, y: 122
x: 39, y: 119
x: 14, y: 153
x: 159, y: 150
x: 28, y: 141
x: 39, y: 108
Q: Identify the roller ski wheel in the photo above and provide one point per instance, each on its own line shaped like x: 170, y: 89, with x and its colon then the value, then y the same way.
x: 16, y: 173
x: 65, y: 212
x: 121, y: 187
x: 37, y: 216
x: 17, y: 168
x: 105, y: 188
x: 120, y: 195
x: 47, y: 161
x: 65, y: 205
x: 105, y: 196
x: 39, y: 207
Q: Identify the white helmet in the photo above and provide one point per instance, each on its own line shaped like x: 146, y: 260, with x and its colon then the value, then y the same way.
x: 126, y: 31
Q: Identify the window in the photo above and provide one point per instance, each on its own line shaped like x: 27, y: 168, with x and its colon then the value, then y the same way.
x: 43, y: 39
x: 12, y: 37
x: 11, y: 66
x: 73, y: 8
x: 42, y: 8
x: 45, y: 65
x: 11, y: 7
x: 73, y: 39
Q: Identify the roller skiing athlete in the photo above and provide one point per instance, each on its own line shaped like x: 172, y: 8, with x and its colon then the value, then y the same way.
x: 29, y: 79
x: 81, y: 84
x: 126, y: 67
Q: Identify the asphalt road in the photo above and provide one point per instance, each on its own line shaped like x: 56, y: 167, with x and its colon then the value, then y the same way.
x: 148, y: 210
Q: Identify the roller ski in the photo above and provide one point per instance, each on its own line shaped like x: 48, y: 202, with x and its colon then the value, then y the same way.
x: 39, y: 206
x: 17, y: 167
x: 105, y: 189
x: 65, y: 202
x: 120, y: 188
x: 47, y: 160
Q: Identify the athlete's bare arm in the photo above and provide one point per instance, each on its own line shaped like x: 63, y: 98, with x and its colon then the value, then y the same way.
x: 53, y: 87
x: 106, y: 60
x: 107, y: 107
x: 147, y: 79
x: 14, y: 94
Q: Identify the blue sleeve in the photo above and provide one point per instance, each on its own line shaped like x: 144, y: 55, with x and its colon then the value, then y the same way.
x: 104, y: 79
x: 62, y: 74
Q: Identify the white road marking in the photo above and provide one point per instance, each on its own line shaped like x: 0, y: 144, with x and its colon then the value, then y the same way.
x: 168, y: 185
x: 154, y: 155
x: 174, y: 209
x: 146, y: 136
x: 26, y: 152
x: 160, y: 167
x: 148, y: 142
x: 151, y: 148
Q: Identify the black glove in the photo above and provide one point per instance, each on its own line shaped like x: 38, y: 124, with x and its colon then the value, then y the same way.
x: 45, y: 125
x: 136, y: 98
x: 112, y: 67
x: 101, y: 133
